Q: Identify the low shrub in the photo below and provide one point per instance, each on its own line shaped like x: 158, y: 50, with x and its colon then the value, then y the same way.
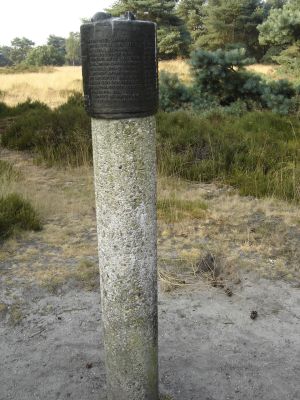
x: 75, y: 99
x: 27, y: 106
x: 68, y: 140
x: 17, y: 214
x: 21, y: 108
x: 289, y: 58
x: 60, y: 136
x: 258, y: 153
x: 4, y: 110
x: 28, y: 130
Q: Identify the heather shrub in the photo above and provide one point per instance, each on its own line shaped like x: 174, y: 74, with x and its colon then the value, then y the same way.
x: 17, y: 214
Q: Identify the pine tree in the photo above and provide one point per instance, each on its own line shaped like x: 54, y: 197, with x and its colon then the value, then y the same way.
x: 282, y: 30
x: 282, y: 26
x: 173, y: 38
x: 192, y: 13
x: 232, y: 23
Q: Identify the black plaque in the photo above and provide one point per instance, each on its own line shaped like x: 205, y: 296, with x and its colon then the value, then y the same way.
x: 119, y: 67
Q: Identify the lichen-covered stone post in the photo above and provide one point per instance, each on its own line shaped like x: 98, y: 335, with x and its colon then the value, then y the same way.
x: 120, y: 88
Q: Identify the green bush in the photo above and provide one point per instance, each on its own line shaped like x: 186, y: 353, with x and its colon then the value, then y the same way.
x: 218, y: 73
x: 68, y: 140
x: 17, y: 214
x: 221, y: 74
x: 220, y: 80
x: 21, y: 108
x: 60, y: 136
x: 173, y: 94
x: 258, y: 152
x: 28, y: 105
x: 271, y: 53
x: 4, y: 110
x: 75, y: 99
x: 28, y: 130
x: 278, y: 96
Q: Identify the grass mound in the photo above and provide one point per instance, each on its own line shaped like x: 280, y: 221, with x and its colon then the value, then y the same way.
x: 17, y: 214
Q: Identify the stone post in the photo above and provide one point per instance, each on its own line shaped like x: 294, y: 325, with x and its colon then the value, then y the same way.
x: 120, y: 87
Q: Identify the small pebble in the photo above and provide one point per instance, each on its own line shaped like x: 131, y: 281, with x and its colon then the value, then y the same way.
x: 228, y: 291
x: 254, y: 315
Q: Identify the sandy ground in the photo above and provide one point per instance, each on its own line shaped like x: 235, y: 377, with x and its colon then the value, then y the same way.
x: 210, y: 348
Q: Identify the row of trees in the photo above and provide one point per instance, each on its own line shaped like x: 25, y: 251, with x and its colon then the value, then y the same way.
x: 187, y: 25
x: 262, y: 27
x: 57, y: 51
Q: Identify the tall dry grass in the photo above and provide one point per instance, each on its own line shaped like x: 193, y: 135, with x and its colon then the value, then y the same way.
x: 52, y: 88
x: 179, y: 67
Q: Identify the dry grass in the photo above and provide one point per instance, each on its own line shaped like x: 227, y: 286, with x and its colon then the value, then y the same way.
x: 46, y: 188
x: 52, y: 88
x: 182, y: 69
x: 172, y: 209
x: 3, y: 308
x: 178, y: 67
x: 15, y: 314
x: 269, y: 70
x: 243, y: 233
x: 85, y: 275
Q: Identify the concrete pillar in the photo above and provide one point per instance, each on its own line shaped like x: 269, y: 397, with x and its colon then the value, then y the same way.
x: 120, y: 86
x: 125, y: 184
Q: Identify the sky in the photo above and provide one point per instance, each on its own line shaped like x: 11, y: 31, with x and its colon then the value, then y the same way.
x: 37, y: 19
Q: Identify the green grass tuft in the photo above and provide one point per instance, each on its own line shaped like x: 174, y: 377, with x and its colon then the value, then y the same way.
x: 7, y: 172
x: 175, y: 210
x: 17, y: 214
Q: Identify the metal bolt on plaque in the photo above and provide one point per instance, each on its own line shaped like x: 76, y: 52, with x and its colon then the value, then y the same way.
x: 119, y: 68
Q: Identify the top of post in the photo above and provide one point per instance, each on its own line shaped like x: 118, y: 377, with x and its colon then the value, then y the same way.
x: 99, y: 16
x: 119, y: 66
x: 103, y: 17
